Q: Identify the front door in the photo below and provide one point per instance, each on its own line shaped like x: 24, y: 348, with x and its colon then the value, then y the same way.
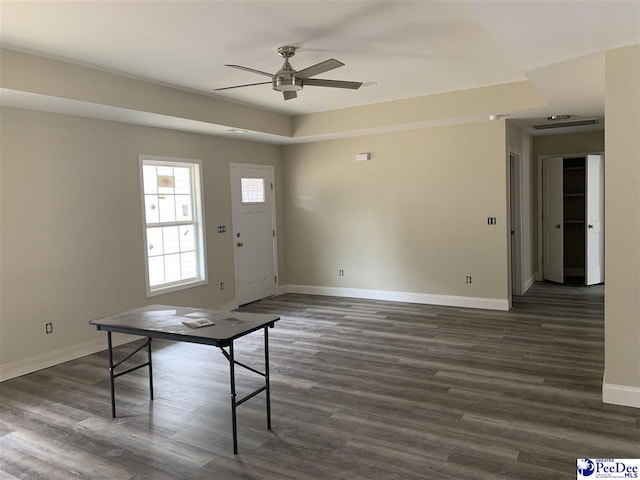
x: 253, y: 211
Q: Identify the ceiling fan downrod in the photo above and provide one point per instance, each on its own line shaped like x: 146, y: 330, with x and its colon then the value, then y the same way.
x: 285, y: 80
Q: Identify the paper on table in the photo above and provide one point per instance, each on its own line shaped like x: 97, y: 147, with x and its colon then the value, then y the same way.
x: 198, y: 323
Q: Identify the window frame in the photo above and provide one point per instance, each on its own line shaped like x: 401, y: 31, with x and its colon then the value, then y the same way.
x: 195, y: 166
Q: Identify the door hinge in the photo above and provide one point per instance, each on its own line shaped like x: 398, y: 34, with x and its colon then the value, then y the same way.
x: 271, y: 185
x: 274, y: 233
x: 275, y: 280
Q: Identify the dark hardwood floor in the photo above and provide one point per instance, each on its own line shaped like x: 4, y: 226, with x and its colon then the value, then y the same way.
x: 361, y: 389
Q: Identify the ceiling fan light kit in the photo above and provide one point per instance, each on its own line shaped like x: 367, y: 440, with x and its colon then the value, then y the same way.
x: 289, y: 81
x: 292, y: 84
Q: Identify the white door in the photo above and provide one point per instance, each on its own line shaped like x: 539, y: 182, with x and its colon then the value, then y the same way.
x: 594, y: 271
x: 552, y: 220
x: 253, y: 211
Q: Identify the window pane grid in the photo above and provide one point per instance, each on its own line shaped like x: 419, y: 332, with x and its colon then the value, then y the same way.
x: 172, y: 269
x: 168, y: 194
x: 252, y: 190
x: 173, y: 225
x: 165, y: 243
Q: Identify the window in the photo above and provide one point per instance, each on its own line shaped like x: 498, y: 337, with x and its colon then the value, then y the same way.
x: 173, y: 224
x: 252, y: 190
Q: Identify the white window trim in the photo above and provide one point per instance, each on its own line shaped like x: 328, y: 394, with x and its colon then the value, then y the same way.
x: 198, y: 215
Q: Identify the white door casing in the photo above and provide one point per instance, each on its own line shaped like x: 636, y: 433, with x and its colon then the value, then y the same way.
x: 594, y: 215
x: 552, y: 219
x: 254, y: 225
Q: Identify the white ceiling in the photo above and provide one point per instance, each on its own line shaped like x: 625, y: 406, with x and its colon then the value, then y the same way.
x: 410, y: 48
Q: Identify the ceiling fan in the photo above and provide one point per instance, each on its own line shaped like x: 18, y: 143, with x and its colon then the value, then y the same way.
x: 289, y: 81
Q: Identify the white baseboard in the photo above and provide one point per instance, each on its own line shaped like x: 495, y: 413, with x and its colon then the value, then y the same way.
x: 424, y: 298
x: 621, y: 395
x: 281, y: 289
x: 49, y: 359
x: 528, y: 284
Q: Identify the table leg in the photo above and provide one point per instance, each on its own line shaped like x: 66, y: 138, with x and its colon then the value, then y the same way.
x: 266, y: 371
x: 111, y: 376
x: 233, y: 398
x: 150, y: 367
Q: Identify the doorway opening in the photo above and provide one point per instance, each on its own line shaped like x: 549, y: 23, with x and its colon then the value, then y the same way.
x: 572, y: 219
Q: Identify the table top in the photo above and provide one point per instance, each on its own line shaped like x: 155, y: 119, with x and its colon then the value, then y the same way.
x: 165, y: 321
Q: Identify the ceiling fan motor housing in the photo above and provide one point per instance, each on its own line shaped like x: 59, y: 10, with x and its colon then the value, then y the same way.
x: 288, y: 83
x: 285, y: 79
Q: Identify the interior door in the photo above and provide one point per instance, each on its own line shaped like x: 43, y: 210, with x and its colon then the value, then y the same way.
x: 253, y: 211
x: 516, y: 277
x: 594, y: 215
x: 552, y: 220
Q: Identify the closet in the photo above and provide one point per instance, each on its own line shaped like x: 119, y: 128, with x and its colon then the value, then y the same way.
x: 573, y: 219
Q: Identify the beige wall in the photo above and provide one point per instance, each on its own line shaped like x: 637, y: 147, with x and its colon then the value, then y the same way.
x: 570, y: 143
x: 413, y: 219
x: 464, y: 106
x: 71, y: 235
x: 622, y: 214
x: 31, y: 74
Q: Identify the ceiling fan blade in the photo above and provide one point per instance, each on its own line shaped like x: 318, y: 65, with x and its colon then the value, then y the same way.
x: 253, y: 70
x: 289, y: 95
x: 320, y: 82
x: 238, y: 86
x: 319, y: 68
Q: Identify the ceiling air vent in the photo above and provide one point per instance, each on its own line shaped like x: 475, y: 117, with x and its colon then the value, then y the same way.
x: 574, y: 123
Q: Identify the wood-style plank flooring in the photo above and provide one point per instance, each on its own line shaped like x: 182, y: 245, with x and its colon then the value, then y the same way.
x: 361, y: 389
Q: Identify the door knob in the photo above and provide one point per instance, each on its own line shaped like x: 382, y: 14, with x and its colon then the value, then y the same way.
x: 590, y: 226
x: 240, y: 244
x: 557, y: 225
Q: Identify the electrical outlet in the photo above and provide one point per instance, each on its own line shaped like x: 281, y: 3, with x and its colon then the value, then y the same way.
x: 48, y: 327
x: 221, y: 285
x: 222, y: 228
x: 468, y: 278
x: 491, y: 220
x: 341, y: 273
